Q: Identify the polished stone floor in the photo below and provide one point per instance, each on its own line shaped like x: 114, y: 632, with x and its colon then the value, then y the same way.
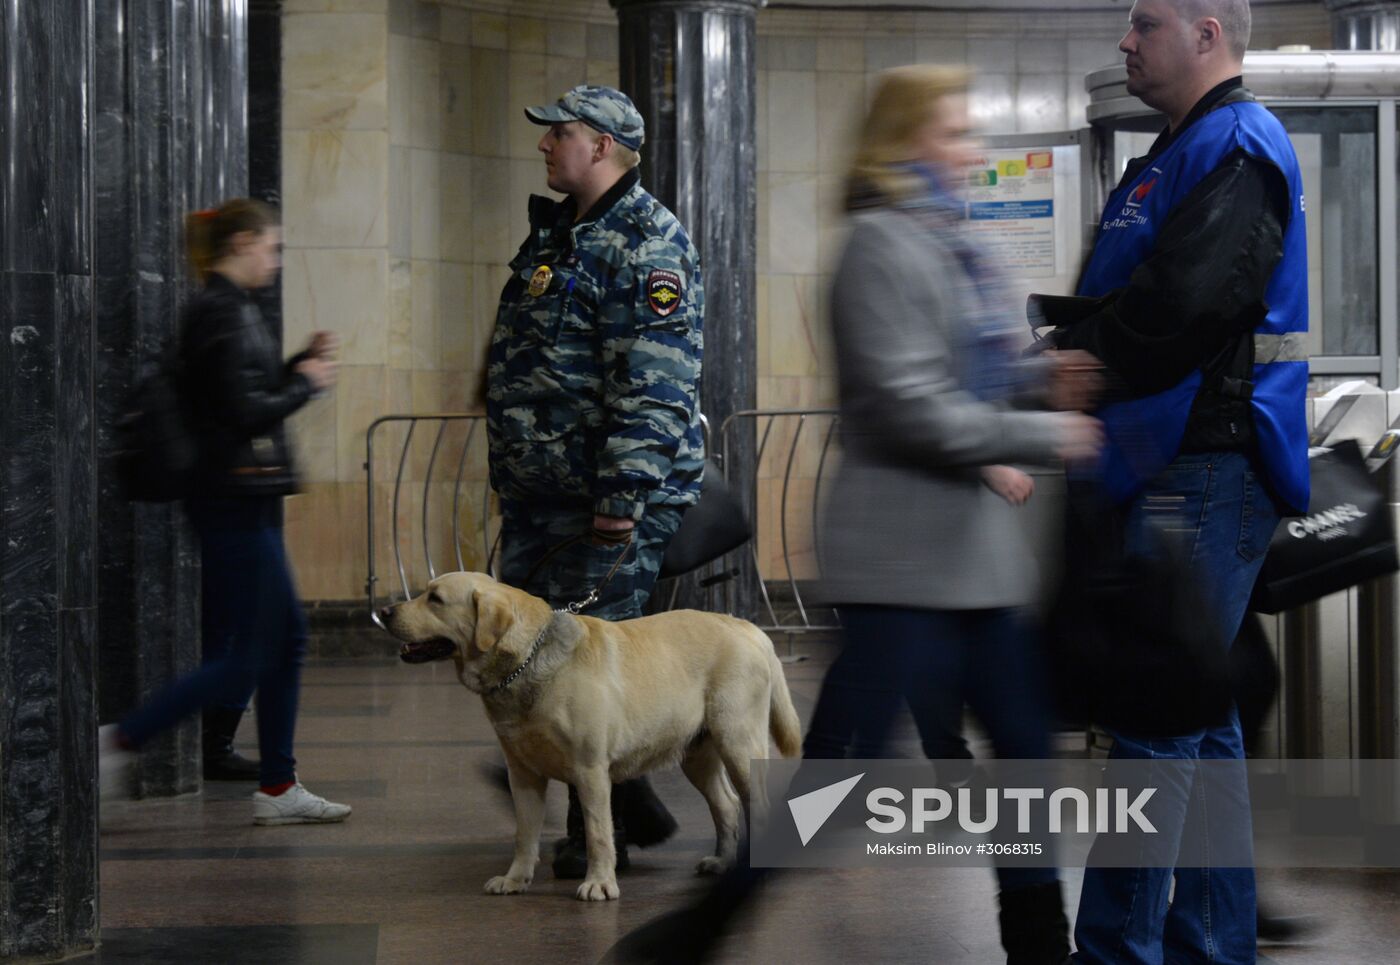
x: 193, y: 881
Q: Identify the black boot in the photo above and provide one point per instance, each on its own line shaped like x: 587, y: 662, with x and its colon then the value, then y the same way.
x: 571, y: 852
x: 636, y: 806
x: 1034, y: 930
x: 221, y: 761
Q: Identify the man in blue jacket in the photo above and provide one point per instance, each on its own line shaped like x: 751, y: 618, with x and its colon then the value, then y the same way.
x: 1200, y: 272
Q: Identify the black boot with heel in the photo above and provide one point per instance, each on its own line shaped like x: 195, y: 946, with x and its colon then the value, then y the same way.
x: 1034, y: 930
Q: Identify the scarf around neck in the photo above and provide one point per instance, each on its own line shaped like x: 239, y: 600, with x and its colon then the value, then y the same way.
x: 990, y: 332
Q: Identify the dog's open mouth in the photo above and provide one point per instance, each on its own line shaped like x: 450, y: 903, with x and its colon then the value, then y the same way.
x: 438, y: 648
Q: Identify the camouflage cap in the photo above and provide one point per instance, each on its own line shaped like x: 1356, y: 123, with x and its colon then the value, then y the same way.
x: 601, y: 108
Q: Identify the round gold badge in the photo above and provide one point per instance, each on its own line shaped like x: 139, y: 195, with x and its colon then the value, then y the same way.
x: 539, y: 281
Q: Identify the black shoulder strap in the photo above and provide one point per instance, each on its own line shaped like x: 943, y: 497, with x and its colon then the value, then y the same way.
x: 1238, y: 95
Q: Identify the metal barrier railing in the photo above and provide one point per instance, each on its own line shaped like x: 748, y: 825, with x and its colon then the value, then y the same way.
x: 762, y: 423
x: 769, y: 426
x: 473, y: 421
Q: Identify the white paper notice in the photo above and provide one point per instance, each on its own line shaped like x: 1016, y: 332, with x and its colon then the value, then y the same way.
x: 1011, y: 208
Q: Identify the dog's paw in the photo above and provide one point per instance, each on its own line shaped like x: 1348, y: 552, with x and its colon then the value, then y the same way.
x: 711, y: 865
x: 506, y: 885
x: 597, y: 891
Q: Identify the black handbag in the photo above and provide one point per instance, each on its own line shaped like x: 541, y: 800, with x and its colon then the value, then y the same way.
x: 712, y: 527
x: 1346, y: 538
x: 1127, y: 645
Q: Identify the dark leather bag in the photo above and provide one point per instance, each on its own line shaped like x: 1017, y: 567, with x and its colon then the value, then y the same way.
x: 714, y: 526
x: 1128, y: 648
x: 1255, y: 679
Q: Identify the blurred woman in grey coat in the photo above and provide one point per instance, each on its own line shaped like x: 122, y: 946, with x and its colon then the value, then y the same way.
x: 922, y: 552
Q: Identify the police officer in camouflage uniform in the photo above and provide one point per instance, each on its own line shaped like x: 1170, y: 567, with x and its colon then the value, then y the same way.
x: 592, y: 410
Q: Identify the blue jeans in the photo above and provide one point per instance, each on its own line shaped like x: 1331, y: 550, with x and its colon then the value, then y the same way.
x: 1219, y: 505
x: 936, y: 660
x: 251, y: 605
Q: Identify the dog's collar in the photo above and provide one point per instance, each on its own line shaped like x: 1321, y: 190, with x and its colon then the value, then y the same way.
x: 534, y: 649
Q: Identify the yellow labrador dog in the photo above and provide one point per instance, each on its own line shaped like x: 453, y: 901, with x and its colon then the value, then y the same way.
x: 589, y: 702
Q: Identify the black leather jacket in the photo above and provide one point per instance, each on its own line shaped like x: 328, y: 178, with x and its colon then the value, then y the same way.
x: 240, y: 392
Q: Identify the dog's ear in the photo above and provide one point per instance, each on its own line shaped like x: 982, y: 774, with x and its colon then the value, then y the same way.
x: 494, y: 617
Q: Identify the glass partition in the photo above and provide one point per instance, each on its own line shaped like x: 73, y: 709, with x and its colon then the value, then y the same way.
x: 1337, y: 152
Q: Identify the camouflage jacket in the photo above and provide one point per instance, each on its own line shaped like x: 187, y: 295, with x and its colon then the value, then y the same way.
x: 595, y: 360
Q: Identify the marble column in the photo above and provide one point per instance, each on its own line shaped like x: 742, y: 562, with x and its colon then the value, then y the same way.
x: 115, y: 119
x: 48, y: 539
x: 172, y: 138
x: 265, y: 125
x: 689, y: 67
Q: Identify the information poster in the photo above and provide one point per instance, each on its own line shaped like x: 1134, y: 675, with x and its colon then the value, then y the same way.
x: 1011, y: 208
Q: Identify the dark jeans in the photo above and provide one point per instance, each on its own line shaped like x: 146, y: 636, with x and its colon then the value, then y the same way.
x: 251, y: 607
x: 1223, y: 512
x: 215, y: 645
x: 937, y: 660
x: 857, y: 707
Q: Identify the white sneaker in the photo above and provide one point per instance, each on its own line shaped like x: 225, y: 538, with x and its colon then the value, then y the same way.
x: 296, y: 805
x: 113, y: 765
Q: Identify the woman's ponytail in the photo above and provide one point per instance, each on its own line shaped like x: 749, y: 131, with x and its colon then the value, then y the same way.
x: 209, y: 234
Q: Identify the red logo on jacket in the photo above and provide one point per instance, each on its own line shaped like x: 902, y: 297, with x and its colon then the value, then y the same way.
x: 1140, y: 192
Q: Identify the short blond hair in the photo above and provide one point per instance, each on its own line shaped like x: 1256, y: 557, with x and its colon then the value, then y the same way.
x: 906, y: 99
x: 623, y: 156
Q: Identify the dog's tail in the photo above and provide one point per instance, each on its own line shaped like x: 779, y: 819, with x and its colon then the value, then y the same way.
x: 782, y: 716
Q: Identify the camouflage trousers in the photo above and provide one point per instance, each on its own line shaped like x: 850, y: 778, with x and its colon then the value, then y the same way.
x: 530, y: 533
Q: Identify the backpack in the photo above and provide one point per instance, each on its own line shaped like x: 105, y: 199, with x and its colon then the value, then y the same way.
x: 156, y: 449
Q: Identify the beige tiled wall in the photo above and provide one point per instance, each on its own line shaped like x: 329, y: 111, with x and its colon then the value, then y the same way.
x: 407, y: 165
x: 406, y: 168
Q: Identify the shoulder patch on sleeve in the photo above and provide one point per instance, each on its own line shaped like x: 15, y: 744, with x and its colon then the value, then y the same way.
x: 664, y: 291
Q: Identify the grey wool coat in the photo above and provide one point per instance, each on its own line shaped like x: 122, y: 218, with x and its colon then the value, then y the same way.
x: 908, y: 521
